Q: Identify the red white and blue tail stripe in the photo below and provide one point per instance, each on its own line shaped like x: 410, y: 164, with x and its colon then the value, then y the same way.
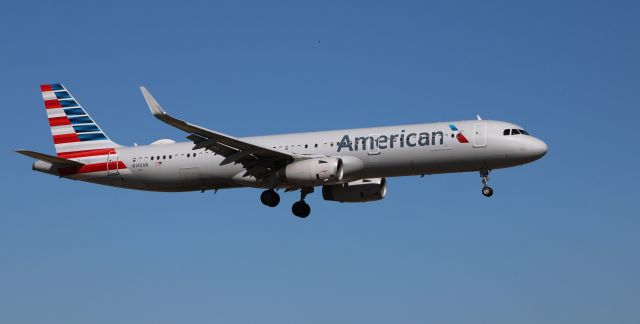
x: 77, y: 137
x: 75, y: 133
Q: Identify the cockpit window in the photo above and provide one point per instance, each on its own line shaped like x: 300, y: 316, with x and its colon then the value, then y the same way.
x: 514, y: 132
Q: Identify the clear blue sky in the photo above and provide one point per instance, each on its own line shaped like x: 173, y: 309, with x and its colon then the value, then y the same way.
x: 558, y: 242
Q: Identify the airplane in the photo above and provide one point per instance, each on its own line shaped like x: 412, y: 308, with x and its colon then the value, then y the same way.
x: 350, y: 165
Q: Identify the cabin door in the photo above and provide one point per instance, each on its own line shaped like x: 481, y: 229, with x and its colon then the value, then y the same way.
x: 479, y: 135
x: 113, y: 159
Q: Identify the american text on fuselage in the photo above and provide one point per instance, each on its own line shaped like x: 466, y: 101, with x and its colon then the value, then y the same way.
x: 388, y: 141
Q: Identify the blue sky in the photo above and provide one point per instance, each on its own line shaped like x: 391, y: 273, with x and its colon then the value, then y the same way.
x: 558, y: 242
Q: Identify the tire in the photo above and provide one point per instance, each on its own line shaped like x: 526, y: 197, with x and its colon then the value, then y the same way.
x: 487, y: 191
x: 301, y: 209
x: 270, y: 198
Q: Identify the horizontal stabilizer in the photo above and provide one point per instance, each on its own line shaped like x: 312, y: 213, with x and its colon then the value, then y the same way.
x: 56, y: 161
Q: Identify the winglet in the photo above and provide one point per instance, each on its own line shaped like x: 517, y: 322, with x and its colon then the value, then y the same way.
x: 154, y: 106
x: 478, y: 116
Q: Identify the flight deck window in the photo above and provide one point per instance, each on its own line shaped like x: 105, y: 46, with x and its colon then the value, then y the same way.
x: 506, y: 132
x: 514, y: 132
x: 524, y: 132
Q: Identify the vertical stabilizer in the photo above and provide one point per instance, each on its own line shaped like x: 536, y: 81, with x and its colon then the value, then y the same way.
x: 75, y: 133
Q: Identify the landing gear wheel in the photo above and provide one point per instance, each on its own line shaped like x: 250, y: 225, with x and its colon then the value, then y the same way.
x: 301, y: 209
x: 270, y: 198
x: 487, y: 191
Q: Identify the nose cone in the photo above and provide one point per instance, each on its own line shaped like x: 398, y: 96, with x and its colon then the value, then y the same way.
x: 537, y: 148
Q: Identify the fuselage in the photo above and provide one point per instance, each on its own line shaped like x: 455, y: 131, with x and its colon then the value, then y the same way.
x: 393, y: 151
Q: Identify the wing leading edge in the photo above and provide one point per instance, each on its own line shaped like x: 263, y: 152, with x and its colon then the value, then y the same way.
x: 257, y: 160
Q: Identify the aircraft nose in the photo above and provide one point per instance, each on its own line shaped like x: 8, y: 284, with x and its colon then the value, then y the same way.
x: 537, y: 148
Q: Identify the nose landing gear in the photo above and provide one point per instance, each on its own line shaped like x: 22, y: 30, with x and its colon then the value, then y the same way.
x: 486, y: 190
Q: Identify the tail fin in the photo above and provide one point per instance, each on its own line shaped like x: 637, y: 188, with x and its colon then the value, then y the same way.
x: 75, y: 134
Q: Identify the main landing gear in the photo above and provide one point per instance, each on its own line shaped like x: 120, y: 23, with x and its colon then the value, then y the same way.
x: 301, y: 208
x: 486, y: 190
x: 270, y: 198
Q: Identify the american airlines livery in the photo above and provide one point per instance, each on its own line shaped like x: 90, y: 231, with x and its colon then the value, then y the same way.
x: 350, y: 165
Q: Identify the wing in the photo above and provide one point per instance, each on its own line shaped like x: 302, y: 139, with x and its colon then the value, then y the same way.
x: 257, y: 160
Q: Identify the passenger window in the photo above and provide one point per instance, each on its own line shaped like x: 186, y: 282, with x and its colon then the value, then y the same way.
x: 152, y: 158
x: 306, y: 146
x: 188, y: 154
x: 514, y: 132
x: 169, y: 156
x: 316, y: 144
x: 164, y: 157
x: 506, y: 132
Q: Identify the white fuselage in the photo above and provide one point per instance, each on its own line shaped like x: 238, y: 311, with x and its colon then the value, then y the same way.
x: 383, y: 151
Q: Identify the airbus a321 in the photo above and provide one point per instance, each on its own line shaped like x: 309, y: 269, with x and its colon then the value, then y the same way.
x: 350, y: 165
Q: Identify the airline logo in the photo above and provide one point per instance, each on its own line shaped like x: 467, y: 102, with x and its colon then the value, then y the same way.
x: 459, y: 135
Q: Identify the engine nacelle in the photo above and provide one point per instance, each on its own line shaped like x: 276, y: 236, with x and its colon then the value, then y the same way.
x: 352, y: 166
x: 356, y: 191
x: 313, y: 171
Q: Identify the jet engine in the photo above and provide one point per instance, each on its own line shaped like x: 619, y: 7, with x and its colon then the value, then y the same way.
x: 356, y: 191
x: 313, y: 171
